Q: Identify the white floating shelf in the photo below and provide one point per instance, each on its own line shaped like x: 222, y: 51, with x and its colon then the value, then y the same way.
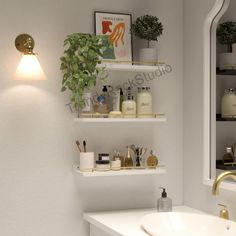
x: 131, y: 68
x: 120, y: 120
x: 157, y: 171
x: 104, y: 118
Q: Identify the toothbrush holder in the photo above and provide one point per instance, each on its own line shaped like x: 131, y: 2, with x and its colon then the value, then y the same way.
x: 86, y: 161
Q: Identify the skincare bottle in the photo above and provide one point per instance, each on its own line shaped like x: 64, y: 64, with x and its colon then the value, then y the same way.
x: 228, y: 156
x: 116, y: 100
x: 152, y: 161
x: 228, y: 104
x: 87, y: 102
x: 121, y: 98
x: 101, y: 106
x: 144, y: 102
x: 164, y: 204
x: 87, y: 98
x: 128, y: 162
x: 105, y: 94
x: 129, y: 105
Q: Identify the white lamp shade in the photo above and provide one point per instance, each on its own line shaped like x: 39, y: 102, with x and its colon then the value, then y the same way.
x: 29, y: 68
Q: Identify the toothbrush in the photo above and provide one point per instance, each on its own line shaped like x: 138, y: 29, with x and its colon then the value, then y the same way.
x: 78, y: 145
x: 84, y: 144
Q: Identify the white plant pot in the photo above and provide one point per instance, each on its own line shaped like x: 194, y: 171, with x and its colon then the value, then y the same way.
x: 227, y: 59
x: 148, y: 56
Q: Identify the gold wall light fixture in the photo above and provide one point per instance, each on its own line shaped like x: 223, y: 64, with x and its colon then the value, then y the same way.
x: 29, y: 67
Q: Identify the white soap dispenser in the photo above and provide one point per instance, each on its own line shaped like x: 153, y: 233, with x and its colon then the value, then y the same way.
x: 164, y: 203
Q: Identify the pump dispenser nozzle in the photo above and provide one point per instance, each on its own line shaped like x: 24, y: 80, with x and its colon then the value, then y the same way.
x: 164, y: 193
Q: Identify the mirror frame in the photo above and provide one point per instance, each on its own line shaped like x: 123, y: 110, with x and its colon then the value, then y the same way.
x: 209, y: 88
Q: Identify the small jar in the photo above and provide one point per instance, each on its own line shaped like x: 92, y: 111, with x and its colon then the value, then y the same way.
x: 228, y: 104
x: 144, y: 102
x: 103, y: 165
x: 116, y: 164
x: 103, y: 157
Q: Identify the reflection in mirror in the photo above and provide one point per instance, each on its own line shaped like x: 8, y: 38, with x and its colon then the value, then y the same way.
x: 225, y: 141
x: 212, y: 98
x: 222, y: 91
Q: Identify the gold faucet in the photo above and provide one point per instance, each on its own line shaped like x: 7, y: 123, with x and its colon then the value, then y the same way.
x: 224, y: 213
x: 220, y: 178
x: 215, y: 190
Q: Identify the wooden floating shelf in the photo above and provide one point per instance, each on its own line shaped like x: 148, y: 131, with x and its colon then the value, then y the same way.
x: 130, y: 172
x: 132, y: 68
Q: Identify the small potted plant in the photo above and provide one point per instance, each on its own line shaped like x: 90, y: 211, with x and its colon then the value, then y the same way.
x: 83, y: 52
x: 226, y: 35
x: 149, y: 28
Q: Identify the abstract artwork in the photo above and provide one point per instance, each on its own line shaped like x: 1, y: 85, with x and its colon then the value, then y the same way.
x: 115, y: 29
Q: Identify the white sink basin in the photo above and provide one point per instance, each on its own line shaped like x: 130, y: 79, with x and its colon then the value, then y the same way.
x: 186, y: 224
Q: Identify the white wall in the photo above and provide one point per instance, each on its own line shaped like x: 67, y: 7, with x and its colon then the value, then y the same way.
x: 195, y: 193
x: 39, y: 195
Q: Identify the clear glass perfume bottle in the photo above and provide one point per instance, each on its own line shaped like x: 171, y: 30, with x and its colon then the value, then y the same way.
x: 128, y: 162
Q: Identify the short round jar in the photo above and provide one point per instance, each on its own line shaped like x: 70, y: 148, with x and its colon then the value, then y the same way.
x: 103, y: 165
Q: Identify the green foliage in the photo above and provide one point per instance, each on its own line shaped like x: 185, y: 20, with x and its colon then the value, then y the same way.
x: 226, y: 34
x: 147, y: 27
x: 79, y: 65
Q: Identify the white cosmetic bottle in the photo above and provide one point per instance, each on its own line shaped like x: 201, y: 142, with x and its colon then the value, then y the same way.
x: 164, y: 203
x: 228, y: 104
x: 129, y: 107
x: 144, y: 102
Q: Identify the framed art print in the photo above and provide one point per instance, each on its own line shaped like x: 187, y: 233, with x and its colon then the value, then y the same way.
x: 116, y: 31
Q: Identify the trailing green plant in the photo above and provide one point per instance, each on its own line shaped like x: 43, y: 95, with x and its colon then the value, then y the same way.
x: 147, y: 27
x: 226, y: 34
x: 83, y: 52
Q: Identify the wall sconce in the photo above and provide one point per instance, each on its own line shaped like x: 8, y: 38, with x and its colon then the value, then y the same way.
x: 29, y: 67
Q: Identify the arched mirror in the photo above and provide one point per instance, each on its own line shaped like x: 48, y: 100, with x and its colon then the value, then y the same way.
x: 219, y: 92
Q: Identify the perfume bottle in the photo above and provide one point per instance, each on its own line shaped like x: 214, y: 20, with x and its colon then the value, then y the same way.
x: 128, y: 162
x: 152, y: 161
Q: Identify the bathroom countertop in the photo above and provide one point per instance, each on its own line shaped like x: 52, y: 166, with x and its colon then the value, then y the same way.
x: 125, y: 223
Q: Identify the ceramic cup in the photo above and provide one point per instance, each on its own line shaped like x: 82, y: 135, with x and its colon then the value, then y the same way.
x: 86, y: 161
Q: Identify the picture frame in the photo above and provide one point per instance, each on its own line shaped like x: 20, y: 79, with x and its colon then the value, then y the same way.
x: 116, y: 29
